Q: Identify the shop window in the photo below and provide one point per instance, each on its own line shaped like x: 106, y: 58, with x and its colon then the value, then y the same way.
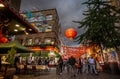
x: 37, y: 41
x: 29, y: 41
x: 47, y: 41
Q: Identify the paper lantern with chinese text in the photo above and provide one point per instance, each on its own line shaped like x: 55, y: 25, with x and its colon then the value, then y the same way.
x: 71, y: 33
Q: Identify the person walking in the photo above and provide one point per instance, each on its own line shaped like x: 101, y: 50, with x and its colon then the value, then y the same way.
x: 85, y: 65
x: 91, y: 61
x: 79, y: 65
x: 0, y: 62
x: 16, y: 63
x: 60, y: 65
x: 72, y: 62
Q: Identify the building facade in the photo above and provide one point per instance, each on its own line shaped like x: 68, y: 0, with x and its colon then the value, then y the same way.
x: 47, y: 24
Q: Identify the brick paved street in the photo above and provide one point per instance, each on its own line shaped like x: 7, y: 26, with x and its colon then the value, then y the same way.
x: 52, y: 75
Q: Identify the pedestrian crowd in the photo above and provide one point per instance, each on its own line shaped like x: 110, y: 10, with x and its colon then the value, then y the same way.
x: 29, y: 61
x: 78, y: 66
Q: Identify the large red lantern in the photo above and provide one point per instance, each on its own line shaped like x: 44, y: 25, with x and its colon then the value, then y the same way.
x: 71, y: 33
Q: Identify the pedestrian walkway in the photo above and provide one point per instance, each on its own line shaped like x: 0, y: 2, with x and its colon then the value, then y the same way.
x: 52, y: 75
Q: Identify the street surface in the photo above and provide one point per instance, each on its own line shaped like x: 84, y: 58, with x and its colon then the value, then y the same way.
x: 52, y: 75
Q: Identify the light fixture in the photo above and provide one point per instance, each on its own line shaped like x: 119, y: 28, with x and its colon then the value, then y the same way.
x: 52, y: 42
x: 26, y: 33
x: 17, y: 25
x: 1, y: 5
x: 23, y: 29
x: 30, y: 29
x: 15, y: 30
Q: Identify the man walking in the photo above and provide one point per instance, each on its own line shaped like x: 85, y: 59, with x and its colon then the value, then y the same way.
x: 91, y: 61
x: 72, y: 62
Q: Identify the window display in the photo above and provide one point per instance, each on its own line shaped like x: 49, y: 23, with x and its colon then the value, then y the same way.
x: 47, y: 40
x: 37, y: 41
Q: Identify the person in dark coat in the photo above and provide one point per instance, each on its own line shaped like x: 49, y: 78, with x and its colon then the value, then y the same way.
x: 0, y: 62
x: 60, y: 64
x: 80, y: 65
x: 16, y: 63
x: 72, y: 62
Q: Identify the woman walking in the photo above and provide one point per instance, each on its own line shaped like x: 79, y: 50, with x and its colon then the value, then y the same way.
x: 85, y: 66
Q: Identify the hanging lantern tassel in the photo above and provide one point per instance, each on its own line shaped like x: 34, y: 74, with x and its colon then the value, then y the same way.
x: 71, y: 39
x: 71, y: 33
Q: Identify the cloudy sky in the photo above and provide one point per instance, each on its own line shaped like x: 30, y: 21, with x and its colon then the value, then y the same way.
x: 68, y: 11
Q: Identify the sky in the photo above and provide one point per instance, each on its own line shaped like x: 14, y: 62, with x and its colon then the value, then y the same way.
x: 68, y: 11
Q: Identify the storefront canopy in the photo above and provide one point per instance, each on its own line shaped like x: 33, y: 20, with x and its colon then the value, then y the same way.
x: 19, y: 48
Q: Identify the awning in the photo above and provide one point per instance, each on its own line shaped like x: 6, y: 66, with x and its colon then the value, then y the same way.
x: 4, y: 47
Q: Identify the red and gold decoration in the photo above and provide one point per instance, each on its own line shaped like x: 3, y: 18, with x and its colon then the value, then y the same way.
x: 49, y: 48
x: 71, y: 33
x: 74, y: 51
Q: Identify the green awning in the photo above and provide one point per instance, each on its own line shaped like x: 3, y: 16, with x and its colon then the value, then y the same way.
x: 4, y: 47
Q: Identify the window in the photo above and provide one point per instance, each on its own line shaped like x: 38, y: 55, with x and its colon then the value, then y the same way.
x: 40, y: 18
x: 32, y: 19
x: 24, y: 15
x: 38, y: 24
x: 48, y: 29
x: 49, y: 17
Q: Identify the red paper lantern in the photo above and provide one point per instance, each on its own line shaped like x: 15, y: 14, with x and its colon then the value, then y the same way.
x: 71, y: 33
x: 1, y: 35
x: 4, y: 40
